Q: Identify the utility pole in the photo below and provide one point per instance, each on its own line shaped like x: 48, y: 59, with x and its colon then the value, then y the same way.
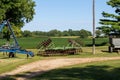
x: 93, y: 9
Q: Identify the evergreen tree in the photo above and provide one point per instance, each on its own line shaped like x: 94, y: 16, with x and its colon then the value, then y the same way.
x: 111, y: 23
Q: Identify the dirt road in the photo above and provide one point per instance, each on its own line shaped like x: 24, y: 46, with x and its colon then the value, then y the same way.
x: 41, y: 66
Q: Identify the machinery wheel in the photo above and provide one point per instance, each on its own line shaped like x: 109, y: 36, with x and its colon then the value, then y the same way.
x: 11, y: 54
x: 110, y: 49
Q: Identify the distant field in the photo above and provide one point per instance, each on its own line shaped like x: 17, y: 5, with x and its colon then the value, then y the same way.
x: 32, y: 42
x: 67, y: 37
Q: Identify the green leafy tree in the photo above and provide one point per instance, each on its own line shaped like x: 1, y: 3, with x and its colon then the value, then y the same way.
x: 65, y: 33
x: 84, y: 33
x: 98, y: 33
x: 54, y: 33
x: 6, y: 34
x: 39, y: 33
x: 26, y: 33
x: 111, y: 23
x: 21, y: 12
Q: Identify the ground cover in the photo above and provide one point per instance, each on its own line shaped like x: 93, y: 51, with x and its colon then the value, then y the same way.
x: 32, y: 42
x: 35, y: 69
x: 105, y: 70
x: 7, y: 64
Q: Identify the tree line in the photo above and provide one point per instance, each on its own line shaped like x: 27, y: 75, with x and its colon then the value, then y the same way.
x: 22, y: 11
x: 57, y: 33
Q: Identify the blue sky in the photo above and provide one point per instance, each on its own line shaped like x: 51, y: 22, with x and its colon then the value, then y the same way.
x: 66, y: 14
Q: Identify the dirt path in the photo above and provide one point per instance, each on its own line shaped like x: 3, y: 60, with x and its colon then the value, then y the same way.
x: 41, y: 66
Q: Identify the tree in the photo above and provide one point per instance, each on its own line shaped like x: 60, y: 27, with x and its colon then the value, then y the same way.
x: 84, y: 33
x: 6, y: 34
x: 54, y: 33
x: 26, y: 33
x: 111, y: 23
x: 98, y: 33
x: 65, y: 33
x: 21, y: 12
x: 39, y: 33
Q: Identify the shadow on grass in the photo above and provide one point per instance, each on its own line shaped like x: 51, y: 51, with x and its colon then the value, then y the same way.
x: 16, y: 57
x: 7, y: 77
x: 86, y: 73
x: 76, y: 73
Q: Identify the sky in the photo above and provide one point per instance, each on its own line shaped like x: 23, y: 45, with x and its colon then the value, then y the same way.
x: 66, y: 14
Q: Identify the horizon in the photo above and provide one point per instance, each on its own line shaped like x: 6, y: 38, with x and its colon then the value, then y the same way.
x: 57, y: 30
x: 58, y: 14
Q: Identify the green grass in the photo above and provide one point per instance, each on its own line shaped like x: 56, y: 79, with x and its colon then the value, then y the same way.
x: 98, y: 41
x: 6, y: 64
x: 32, y: 42
x: 105, y: 70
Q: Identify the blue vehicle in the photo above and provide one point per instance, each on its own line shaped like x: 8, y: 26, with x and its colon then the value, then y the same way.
x: 12, y: 49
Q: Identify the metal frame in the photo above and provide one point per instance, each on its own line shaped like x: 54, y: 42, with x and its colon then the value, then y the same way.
x: 16, y: 48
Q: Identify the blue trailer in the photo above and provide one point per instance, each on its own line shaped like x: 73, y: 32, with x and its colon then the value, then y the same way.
x: 12, y: 49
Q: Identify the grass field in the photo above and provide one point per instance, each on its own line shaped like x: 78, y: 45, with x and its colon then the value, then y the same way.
x: 107, y: 70
x: 8, y: 64
x: 32, y: 42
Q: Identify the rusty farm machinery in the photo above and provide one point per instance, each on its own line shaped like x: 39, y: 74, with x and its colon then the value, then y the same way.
x: 47, y: 48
